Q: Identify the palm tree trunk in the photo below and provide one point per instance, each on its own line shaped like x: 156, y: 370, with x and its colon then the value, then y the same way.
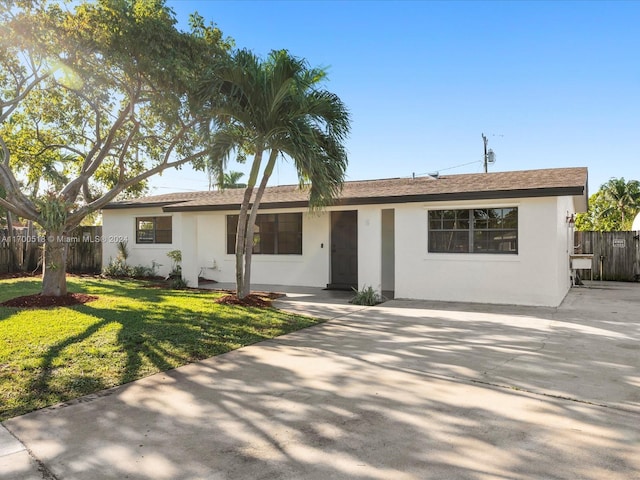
x: 244, y: 231
x: 240, y: 240
x: 252, y: 220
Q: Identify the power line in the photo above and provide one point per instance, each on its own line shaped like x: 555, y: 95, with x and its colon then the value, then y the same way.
x: 448, y: 168
x: 461, y: 165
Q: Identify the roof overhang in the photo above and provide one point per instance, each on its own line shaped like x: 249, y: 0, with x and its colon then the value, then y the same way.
x: 124, y: 205
x: 578, y: 191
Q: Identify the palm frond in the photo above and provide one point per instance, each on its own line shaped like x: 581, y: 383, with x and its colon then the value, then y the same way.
x: 276, y: 105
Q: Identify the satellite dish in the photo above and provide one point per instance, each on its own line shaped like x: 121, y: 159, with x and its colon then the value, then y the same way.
x: 636, y: 223
x: 491, y: 157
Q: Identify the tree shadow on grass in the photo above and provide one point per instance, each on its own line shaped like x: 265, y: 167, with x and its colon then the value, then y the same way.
x: 147, y: 341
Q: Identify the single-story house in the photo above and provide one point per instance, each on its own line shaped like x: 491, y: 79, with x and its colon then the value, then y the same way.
x: 500, y: 237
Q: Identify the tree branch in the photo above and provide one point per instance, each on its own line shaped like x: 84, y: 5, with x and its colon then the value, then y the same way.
x: 174, y: 141
x: 93, y: 107
x: 5, y: 153
x: 123, y: 153
x: 86, y: 192
x: 12, y: 104
x: 25, y: 210
x: 8, y: 180
x: 70, y: 192
x: 60, y: 146
x: 97, y: 204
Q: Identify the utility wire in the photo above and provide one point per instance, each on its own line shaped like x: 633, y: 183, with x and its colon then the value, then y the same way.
x: 449, y: 168
x: 458, y: 166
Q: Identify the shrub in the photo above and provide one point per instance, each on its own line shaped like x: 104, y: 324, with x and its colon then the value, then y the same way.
x: 367, y: 296
x: 142, y: 271
x: 116, y: 268
x: 176, y: 258
x: 178, y: 283
x: 119, y: 268
x: 123, y: 251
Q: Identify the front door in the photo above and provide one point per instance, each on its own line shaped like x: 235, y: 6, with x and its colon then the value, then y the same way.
x: 344, y: 249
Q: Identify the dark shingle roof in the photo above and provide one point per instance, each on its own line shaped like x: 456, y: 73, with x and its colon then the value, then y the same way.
x: 158, y: 200
x: 518, y: 184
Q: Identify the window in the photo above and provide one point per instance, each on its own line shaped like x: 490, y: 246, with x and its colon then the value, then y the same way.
x: 480, y: 230
x: 153, y: 230
x: 274, y: 233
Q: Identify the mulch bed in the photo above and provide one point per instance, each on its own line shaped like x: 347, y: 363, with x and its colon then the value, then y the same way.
x: 256, y: 299
x: 259, y: 300
x: 41, y: 301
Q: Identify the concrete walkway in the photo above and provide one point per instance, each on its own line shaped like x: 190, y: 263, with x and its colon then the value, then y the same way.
x: 405, y: 390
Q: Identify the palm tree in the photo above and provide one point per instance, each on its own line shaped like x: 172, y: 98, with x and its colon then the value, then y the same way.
x: 232, y: 180
x: 226, y: 180
x: 274, y: 108
x: 623, y: 198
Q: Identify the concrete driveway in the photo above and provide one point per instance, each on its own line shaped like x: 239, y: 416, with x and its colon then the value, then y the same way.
x: 405, y: 390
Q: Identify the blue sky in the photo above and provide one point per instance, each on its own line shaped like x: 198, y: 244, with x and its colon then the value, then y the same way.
x: 551, y: 84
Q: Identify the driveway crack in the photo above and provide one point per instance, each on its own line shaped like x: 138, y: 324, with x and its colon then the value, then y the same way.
x: 543, y: 345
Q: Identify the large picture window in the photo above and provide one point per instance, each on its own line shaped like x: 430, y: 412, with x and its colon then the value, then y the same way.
x: 153, y: 230
x: 480, y: 230
x: 274, y: 233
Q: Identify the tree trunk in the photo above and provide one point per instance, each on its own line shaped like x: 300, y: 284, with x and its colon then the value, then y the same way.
x: 13, y: 244
x: 241, y: 233
x: 252, y: 221
x: 244, y: 232
x: 54, y: 267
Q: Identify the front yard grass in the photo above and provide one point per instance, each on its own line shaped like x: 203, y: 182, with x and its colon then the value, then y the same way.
x: 53, y: 355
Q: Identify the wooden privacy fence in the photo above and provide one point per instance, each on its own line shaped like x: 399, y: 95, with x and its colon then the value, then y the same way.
x: 616, y: 255
x: 22, y: 252
x: 6, y: 258
x: 85, y: 250
x: 12, y: 251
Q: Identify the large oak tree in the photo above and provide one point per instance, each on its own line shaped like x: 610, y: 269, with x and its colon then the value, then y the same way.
x: 94, y: 99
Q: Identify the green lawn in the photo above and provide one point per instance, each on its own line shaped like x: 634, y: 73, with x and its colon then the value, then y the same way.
x: 132, y: 331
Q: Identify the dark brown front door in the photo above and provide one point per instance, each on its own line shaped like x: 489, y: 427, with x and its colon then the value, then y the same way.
x: 344, y: 249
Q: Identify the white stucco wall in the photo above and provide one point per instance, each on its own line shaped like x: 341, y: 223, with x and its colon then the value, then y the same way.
x: 370, y: 247
x: 388, y: 252
x: 121, y: 224
x: 309, y: 269
x: 205, y: 234
x: 537, y: 275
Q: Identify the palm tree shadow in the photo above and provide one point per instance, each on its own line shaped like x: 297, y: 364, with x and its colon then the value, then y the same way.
x: 41, y: 386
x: 146, y: 341
x: 144, y: 353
